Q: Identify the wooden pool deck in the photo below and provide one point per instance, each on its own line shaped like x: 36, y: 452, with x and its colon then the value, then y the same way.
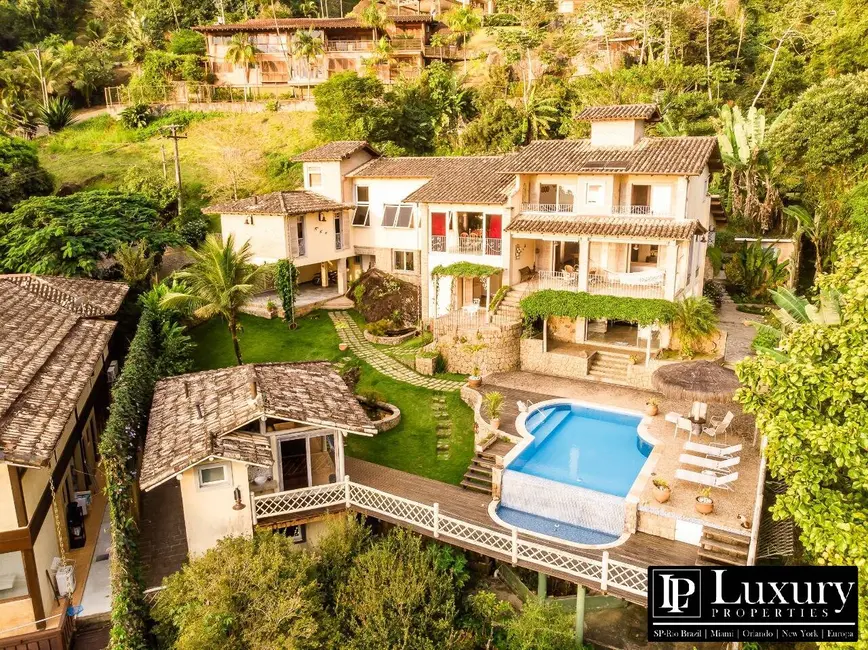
x: 639, y: 550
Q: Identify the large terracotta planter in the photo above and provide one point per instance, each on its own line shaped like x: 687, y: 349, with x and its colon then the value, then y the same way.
x: 661, y: 494
x: 704, y: 505
x: 474, y: 382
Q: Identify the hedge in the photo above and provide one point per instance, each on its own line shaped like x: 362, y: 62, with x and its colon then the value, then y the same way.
x: 466, y: 270
x: 551, y: 302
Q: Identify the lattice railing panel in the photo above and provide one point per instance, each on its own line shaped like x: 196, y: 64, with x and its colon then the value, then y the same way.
x: 627, y: 577
x: 576, y: 565
x: 490, y: 539
x: 282, y: 503
x: 388, y: 504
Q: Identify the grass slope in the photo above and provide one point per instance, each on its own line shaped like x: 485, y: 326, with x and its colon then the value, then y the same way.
x: 411, y: 446
x: 258, y: 147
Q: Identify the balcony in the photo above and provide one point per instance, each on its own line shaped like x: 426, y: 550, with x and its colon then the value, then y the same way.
x: 349, y: 46
x: 642, y: 210
x: 467, y: 245
x: 438, y: 243
x: 548, y: 208
x: 613, y: 210
x: 643, y: 284
x: 451, y: 52
x: 406, y: 44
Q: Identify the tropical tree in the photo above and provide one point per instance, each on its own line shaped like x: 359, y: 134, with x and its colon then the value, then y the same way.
x: 220, y: 281
x: 794, y: 311
x: 374, y: 18
x: 464, y: 21
x: 135, y: 262
x: 49, y: 69
x: 538, y: 115
x: 21, y: 175
x: 308, y: 46
x: 241, y: 52
x: 753, y: 192
x: 137, y: 36
x: 695, y: 321
x: 755, y: 270
x: 381, y: 54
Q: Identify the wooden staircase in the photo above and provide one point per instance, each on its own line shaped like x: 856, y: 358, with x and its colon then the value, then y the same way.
x: 478, y: 474
x: 718, y: 548
x: 609, y: 366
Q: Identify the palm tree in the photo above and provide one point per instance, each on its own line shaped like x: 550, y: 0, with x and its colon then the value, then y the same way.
x: 221, y: 280
x: 539, y: 115
x: 695, y: 321
x: 439, y: 41
x: 381, y: 54
x: 49, y: 69
x: 308, y: 46
x: 242, y: 52
x: 138, y: 38
x: 463, y: 21
x: 374, y: 18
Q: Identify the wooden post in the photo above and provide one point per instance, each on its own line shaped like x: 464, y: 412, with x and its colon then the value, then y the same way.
x: 514, y: 546
x: 541, y: 586
x: 604, y: 579
x: 307, y: 454
x: 580, y: 614
x: 488, y: 299
x: 347, y: 490
x: 545, y: 334
x: 436, y: 520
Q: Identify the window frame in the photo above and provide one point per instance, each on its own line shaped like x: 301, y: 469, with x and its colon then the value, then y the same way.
x: 226, y: 480
x: 398, y: 208
x: 602, y: 194
x: 310, y: 172
x: 405, y: 255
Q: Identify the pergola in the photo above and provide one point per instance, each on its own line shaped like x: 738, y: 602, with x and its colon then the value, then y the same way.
x: 483, y: 272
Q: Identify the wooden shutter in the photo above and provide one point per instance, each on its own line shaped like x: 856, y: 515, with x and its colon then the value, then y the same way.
x: 292, y: 234
x: 345, y: 229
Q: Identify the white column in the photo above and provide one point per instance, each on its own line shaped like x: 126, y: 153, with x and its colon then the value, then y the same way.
x: 487, y: 299
x: 342, y: 275
x: 324, y: 273
x: 340, y: 466
x: 545, y: 334
x: 584, y: 262
x: 671, y: 270
x: 307, y: 453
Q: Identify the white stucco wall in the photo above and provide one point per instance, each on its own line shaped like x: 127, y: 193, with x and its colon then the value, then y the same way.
x: 267, y: 235
x: 45, y: 549
x: 208, y: 513
x: 388, y: 191
x: 8, y: 518
x: 617, y: 133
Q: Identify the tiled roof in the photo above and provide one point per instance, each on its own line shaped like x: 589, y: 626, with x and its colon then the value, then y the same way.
x: 647, y: 112
x: 337, y: 150
x: 686, y: 155
x: 454, y: 179
x: 654, y: 227
x: 285, y: 203
x: 48, y: 350
x: 270, y: 24
x: 195, y: 416
x: 80, y: 295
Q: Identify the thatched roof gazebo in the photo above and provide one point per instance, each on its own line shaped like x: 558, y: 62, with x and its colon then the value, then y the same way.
x: 701, y: 381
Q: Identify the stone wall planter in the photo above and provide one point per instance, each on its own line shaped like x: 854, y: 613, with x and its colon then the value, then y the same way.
x: 388, y: 422
x: 425, y: 365
x: 390, y: 340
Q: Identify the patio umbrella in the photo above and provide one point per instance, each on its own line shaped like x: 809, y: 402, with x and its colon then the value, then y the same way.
x: 701, y: 381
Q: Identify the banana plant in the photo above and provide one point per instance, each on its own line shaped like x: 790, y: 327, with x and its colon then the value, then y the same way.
x: 794, y: 311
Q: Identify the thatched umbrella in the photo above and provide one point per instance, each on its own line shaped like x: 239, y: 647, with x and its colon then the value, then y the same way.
x: 701, y: 381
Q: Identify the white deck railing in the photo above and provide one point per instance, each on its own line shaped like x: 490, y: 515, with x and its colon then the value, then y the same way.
x: 557, y: 280
x: 621, y: 284
x: 606, y: 573
x: 560, y: 208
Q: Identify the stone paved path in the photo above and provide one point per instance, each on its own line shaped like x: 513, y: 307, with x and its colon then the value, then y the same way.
x: 353, y: 337
x: 738, y: 335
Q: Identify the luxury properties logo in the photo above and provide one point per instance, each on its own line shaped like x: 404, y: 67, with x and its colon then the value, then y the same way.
x: 752, y: 603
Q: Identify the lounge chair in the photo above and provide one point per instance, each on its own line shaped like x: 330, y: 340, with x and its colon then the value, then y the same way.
x: 714, y: 451
x: 710, y: 479
x: 713, y: 464
x: 719, y: 426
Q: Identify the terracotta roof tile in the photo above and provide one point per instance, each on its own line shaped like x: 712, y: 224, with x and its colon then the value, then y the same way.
x: 48, y: 351
x: 654, y: 227
x: 454, y: 179
x: 285, y: 203
x: 337, y: 150
x: 647, y: 112
x: 268, y: 24
x: 197, y: 415
x: 80, y: 295
x: 686, y: 155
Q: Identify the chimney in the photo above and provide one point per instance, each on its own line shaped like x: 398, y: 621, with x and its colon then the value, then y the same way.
x: 619, y: 125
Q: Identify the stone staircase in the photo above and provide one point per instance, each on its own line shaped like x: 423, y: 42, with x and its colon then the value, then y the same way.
x: 609, y: 366
x: 478, y: 475
x: 719, y: 548
x: 509, y: 305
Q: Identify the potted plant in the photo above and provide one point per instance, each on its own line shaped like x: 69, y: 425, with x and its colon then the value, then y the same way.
x: 662, y: 491
x: 494, y: 405
x: 271, y: 306
x: 339, y: 325
x: 652, y: 406
x: 704, y: 503
x: 475, y: 379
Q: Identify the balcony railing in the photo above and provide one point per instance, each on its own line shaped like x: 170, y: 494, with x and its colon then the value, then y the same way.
x: 407, y: 44
x: 562, y: 280
x: 492, y: 246
x: 644, y: 284
x: 438, y: 243
x: 444, y: 52
x: 349, y: 46
x: 562, y: 208
x: 646, y: 210
x: 614, y: 210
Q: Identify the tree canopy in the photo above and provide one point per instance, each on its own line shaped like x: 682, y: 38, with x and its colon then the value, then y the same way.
x: 21, y: 175
x: 70, y: 235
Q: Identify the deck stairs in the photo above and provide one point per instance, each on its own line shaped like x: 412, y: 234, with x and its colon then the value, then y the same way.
x: 719, y: 548
x: 478, y: 476
x: 609, y: 366
x: 509, y: 306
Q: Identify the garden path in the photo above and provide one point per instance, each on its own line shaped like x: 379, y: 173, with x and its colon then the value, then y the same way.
x: 350, y: 334
x: 739, y: 335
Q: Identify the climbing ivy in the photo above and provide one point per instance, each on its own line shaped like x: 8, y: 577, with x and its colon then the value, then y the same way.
x: 158, y: 346
x: 498, y: 298
x: 286, y: 282
x: 552, y: 302
x: 466, y: 270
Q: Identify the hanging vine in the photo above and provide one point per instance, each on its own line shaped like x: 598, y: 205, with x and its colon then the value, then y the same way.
x: 286, y: 282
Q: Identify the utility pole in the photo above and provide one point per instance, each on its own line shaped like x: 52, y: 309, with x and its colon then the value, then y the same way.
x: 175, y: 136
x: 43, y: 86
x: 163, y: 157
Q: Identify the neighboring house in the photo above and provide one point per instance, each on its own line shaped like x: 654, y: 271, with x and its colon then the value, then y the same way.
x: 233, y: 434
x: 619, y: 214
x: 54, y: 352
x: 347, y: 44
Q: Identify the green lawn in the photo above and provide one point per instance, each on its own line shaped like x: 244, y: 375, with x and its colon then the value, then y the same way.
x: 411, y: 446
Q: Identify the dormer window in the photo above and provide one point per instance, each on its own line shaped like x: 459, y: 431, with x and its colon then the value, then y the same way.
x: 314, y: 176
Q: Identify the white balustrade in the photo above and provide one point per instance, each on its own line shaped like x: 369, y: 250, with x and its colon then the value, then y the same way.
x: 560, y: 208
x: 562, y: 280
x: 640, y: 210
x: 438, y: 243
x: 605, y: 572
x: 641, y: 285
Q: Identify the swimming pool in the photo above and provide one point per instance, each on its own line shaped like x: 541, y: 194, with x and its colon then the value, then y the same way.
x: 570, y: 478
x: 579, y: 445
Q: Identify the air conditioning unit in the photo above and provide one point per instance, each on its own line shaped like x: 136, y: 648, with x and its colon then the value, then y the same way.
x: 111, y: 372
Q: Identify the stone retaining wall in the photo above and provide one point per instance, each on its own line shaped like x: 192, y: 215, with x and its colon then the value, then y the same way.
x: 493, y: 348
x: 389, y: 340
x: 533, y: 359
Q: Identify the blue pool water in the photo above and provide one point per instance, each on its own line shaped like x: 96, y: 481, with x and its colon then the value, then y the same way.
x: 577, y: 445
x: 553, y: 528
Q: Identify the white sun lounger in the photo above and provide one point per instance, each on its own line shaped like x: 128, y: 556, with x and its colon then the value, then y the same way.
x: 715, y: 451
x: 710, y: 463
x: 710, y: 479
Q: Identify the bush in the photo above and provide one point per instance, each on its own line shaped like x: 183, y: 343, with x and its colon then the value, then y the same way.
x: 272, y: 105
x: 755, y: 270
x: 136, y: 116
x: 695, y: 321
x: 186, y: 41
x: 193, y: 232
x: 21, y: 175
x: 715, y: 256
x: 379, y: 328
x: 714, y: 292
x: 725, y: 241
x: 551, y: 302
x: 57, y: 115
x: 500, y: 20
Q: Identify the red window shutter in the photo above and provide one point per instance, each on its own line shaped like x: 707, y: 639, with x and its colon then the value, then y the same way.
x: 438, y: 223
x: 494, y: 230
